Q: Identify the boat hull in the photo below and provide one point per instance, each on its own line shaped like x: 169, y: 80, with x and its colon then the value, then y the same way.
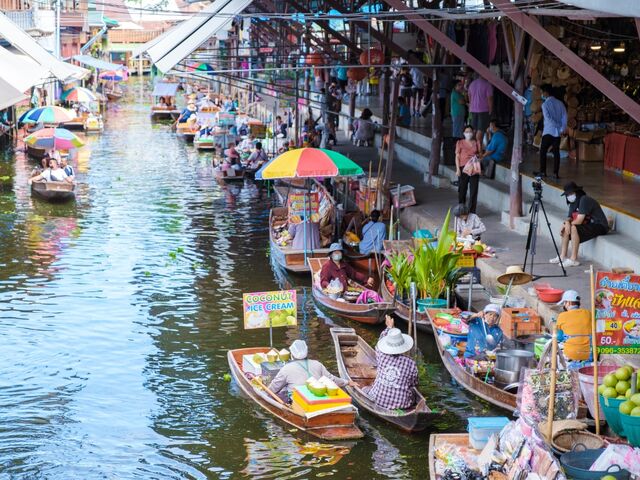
x: 403, y: 312
x: 53, y: 191
x: 334, y: 426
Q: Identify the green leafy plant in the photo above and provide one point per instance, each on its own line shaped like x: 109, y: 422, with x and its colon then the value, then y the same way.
x: 400, y: 271
x: 435, y: 266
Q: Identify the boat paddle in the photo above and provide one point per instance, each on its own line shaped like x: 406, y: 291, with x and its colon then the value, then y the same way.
x: 257, y: 380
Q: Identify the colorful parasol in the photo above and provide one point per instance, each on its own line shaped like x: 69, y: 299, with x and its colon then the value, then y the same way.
x: 48, y: 115
x: 309, y: 162
x: 54, y: 138
x: 80, y: 95
x: 200, y: 67
x: 115, y: 75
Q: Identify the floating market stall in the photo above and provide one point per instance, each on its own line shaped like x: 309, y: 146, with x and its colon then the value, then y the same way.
x: 48, y: 116
x: 167, y: 109
x: 88, y: 118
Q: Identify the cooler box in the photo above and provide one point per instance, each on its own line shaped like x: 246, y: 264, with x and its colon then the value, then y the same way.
x: 519, y: 321
x: 481, y: 429
x: 248, y: 365
x: 270, y: 370
x: 309, y: 402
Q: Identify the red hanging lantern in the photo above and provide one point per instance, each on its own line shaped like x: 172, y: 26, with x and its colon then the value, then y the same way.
x: 373, y: 56
x: 357, y: 74
x: 314, y: 59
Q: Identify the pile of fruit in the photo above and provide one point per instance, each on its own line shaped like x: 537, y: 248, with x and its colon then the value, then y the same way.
x: 618, y: 385
x: 477, y: 247
x: 322, y: 386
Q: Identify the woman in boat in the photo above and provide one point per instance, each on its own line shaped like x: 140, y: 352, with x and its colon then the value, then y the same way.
x: 187, y: 112
x: 298, y: 370
x: 397, y: 374
x: 467, y: 223
x: 336, y: 268
x: 484, y: 332
x: 52, y: 174
x: 574, y: 330
x: 299, y: 236
x: 258, y: 157
x: 374, y: 233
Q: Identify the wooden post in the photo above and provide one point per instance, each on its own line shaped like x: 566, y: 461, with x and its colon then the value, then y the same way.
x: 392, y: 133
x: 594, y: 349
x: 552, y: 387
x: 386, y: 93
x: 515, y: 179
x: 436, y: 128
x: 297, y: 110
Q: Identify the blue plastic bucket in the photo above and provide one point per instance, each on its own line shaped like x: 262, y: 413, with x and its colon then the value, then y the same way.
x: 610, y: 408
x: 425, y: 303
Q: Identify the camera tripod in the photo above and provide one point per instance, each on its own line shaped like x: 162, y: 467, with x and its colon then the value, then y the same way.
x: 532, y: 235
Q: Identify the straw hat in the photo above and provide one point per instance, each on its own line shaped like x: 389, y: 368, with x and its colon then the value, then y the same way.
x: 192, y: 107
x: 514, y: 272
x: 395, y: 343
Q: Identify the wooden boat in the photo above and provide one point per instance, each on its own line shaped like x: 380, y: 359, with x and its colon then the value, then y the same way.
x: 437, y: 440
x: 164, y: 113
x: 357, y: 361
x: 54, y: 191
x: 287, y: 257
x: 113, y: 94
x: 475, y: 385
x: 186, y: 132
x: 223, y: 175
x: 204, y: 144
x: 332, y: 424
x: 370, y: 313
x: 403, y: 311
x: 35, y: 152
x: 93, y: 124
x: 75, y: 124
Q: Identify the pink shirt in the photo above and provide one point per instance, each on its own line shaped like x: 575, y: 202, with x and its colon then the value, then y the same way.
x: 479, y: 92
x: 465, y: 150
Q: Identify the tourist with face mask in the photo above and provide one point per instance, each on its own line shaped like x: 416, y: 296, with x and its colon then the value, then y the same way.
x: 585, y: 221
x: 468, y: 150
x: 337, y: 268
x: 574, y: 328
x: 496, y: 149
x: 554, y: 114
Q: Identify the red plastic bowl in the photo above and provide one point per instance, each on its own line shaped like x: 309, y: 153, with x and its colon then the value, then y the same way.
x: 550, y: 295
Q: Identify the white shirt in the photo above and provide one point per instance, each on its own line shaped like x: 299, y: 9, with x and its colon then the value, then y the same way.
x: 56, y: 175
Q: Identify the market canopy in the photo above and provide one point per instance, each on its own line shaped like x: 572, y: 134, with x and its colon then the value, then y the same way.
x: 27, y: 45
x: 9, y: 95
x: 97, y: 63
x: 309, y: 163
x: 162, y: 89
x: 180, y: 41
x: 20, y: 71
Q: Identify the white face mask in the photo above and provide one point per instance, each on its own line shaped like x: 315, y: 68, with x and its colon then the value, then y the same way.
x: 468, y: 135
x: 571, y: 198
x: 336, y: 256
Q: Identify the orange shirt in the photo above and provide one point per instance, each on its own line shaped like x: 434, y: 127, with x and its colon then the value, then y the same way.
x: 464, y: 151
x: 576, y: 322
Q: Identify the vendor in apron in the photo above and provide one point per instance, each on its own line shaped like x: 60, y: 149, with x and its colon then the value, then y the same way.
x: 298, y: 370
x: 574, y: 329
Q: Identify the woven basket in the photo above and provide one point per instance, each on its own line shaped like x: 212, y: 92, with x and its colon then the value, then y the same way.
x: 565, y: 440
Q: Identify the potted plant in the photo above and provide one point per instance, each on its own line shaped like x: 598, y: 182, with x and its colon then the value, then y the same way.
x: 400, y: 271
x: 434, y: 266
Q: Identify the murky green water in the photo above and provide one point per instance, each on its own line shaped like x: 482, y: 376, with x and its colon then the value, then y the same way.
x: 116, y: 313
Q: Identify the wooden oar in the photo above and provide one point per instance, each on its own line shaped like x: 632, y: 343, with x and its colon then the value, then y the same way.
x: 261, y: 384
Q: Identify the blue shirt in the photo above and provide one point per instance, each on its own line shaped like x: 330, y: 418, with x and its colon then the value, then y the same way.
x: 477, y: 340
x: 497, y: 145
x: 341, y: 73
x: 69, y: 171
x: 372, y: 236
x: 555, y: 117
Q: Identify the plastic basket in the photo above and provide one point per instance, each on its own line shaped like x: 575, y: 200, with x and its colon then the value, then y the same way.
x: 631, y: 427
x: 481, y: 429
x: 585, y: 376
x: 425, y: 303
x: 612, y: 414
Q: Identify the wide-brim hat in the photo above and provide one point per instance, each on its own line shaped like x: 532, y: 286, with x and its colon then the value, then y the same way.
x: 514, y: 272
x: 395, y: 343
x: 192, y: 107
x: 570, y: 187
x: 335, y: 247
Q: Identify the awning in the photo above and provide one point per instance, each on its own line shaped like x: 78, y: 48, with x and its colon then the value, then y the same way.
x: 9, y: 95
x: 625, y: 9
x: 162, y: 89
x: 20, y: 71
x: 27, y: 45
x: 140, y: 49
x: 97, y: 63
x: 190, y: 34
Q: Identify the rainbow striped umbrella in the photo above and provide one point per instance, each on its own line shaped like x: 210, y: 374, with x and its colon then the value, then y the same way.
x: 309, y: 162
x: 49, y: 115
x: 54, y: 138
x: 115, y: 75
x: 80, y: 95
x: 201, y: 67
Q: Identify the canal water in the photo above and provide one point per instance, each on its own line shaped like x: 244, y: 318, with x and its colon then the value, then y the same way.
x: 116, y: 313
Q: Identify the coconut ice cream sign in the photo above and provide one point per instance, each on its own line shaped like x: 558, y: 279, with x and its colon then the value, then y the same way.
x: 270, y: 309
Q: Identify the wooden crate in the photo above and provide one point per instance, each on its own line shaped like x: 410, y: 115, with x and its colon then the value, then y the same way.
x: 519, y: 321
x: 407, y: 198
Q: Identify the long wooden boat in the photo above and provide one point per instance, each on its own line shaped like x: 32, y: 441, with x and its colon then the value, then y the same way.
x: 54, y: 191
x: 221, y: 175
x: 369, y: 313
x: 34, y: 152
x: 204, y: 144
x: 75, y: 124
x: 357, y: 362
x: 186, y: 132
x: 403, y: 311
x: 160, y: 113
x: 333, y: 424
x: 437, y: 440
x: 486, y: 391
x: 287, y: 257
x: 113, y: 94
x: 93, y: 125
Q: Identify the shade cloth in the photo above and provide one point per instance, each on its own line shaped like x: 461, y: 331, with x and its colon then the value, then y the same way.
x: 162, y: 89
x: 97, y: 63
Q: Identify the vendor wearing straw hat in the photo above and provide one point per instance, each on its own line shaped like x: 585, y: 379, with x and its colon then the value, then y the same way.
x: 187, y: 112
x: 397, y: 374
x: 337, y: 268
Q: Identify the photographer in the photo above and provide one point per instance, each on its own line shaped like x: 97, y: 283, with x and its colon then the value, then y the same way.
x: 585, y: 221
